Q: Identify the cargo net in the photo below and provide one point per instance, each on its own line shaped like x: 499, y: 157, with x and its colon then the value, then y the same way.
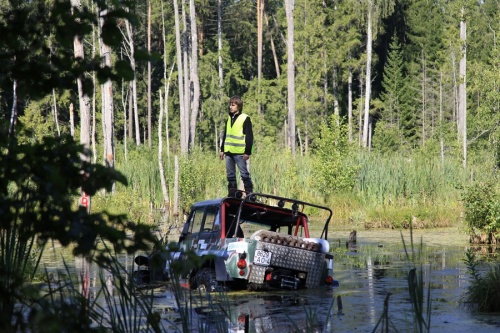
x: 287, y: 240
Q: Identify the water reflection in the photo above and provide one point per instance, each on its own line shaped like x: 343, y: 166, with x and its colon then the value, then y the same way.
x: 376, y: 267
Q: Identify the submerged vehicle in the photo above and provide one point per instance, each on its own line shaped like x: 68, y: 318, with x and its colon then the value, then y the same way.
x: 258, y: 241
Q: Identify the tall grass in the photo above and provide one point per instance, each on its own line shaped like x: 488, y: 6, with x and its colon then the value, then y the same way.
x: 483, y: 292
x: 389, y: 188
x: 414, y: 179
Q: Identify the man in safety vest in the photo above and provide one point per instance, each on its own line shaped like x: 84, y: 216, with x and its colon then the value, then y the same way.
x: 236, y: 145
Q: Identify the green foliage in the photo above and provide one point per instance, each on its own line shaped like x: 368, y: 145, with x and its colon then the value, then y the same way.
x: 333, y: 171
x: 37, y: 122
x: 40, y: 185
x: 388, y: 190
x: 481, y: 202
x: 413, y: 178
x: 419, y: 297
x: 483, y: 292
x: 38, y: 63
x: 388, y: 138
x: 196, y: 176
x: 394, y: 84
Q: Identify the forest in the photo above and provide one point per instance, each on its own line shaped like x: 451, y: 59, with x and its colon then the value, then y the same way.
x: 388, y: 111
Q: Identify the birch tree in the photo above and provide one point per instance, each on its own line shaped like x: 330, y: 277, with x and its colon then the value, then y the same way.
x: 83, y: 97
x: 462, y: 93
x: 180, y: 80
x: 260, y: 14
x: 149, y: 73
x: 375, y: 11
x: 194, y: 73
x: 290, y: 4
x: 107, y: 98
x: 186, y: 83
x: 130, y: 51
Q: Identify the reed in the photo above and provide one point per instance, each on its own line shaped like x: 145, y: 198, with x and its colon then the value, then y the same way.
x: 408, y: 179
x: 483, y: 291
x: 420, y: 298
x: 390, y: 190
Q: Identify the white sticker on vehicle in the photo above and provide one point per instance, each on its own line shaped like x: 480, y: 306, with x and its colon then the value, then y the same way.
x: 202, y: 244
x: 239, y: 247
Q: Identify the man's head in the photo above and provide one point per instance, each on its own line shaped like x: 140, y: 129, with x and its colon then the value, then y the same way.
x: 235, y: 104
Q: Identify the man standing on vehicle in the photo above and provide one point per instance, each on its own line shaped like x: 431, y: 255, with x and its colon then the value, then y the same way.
x: 236, y: 146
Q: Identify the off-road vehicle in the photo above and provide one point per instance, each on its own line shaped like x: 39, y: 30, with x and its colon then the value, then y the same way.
x: 258, y: 241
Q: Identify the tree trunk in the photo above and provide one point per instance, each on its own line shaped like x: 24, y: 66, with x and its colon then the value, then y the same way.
x: 84, y: 105
x: 166, y: 82
x: 13, y: 114
x: 160, y: 156
x: 290, y: 7
x: 176, y: 186
x: 56, y: 121
x: 95, y: 30
x: 273, y: 49
x: 107, y: 99
x: 149, y: 74
x: 167, y: 131
x: 219, y: 43
x: 194, y: 73
x: 260, y: 11
x: 125, y: 96
x: 83, y: 97
x: 360, y: 118
x: 71, y: 121
x: 180, y: 78
x: 336, y: 108
x: 368, y: 73
x: 130, y: 111
x: 187, y: 83
x: 349, y: 105
x: 424, y: 78
x: 462, y: 97
x: 441, y: 140
x: 131, y: 50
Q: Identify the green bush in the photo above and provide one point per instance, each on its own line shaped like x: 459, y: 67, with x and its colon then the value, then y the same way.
x: 333, y: 168
x: 483, y: 293
x: 481, y: 202
x: 39, y: 189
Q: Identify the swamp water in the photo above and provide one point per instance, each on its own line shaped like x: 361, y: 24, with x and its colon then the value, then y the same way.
x: 374, y: 271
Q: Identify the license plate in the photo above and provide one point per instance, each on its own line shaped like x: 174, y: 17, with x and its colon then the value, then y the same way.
x: 262, y: 258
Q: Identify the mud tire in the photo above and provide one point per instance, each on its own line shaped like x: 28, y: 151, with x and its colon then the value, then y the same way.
x: 141, y: 277
x: 206, y: 278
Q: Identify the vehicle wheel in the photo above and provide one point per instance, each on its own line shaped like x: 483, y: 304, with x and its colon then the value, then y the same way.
x: 204, y: 277
x: 141, y: 277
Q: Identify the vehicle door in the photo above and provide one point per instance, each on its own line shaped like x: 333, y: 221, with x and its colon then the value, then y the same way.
x: 205, y: 228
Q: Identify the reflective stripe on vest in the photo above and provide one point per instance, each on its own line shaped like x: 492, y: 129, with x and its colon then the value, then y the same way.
x: 235, y: 139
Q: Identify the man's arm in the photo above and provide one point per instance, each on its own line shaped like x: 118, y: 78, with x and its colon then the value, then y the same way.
x: 248, y: 131
x: 223, y: 138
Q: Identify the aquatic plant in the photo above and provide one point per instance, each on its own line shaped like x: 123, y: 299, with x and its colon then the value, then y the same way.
x: 38, y: 195
x: 483, y: 292
x: 420, y: 298
x: 481, y: 203
x: 386, y: 325
x: 421, y: 306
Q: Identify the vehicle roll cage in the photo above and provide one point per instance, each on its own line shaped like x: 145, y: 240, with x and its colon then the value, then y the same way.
x: 264, y: 200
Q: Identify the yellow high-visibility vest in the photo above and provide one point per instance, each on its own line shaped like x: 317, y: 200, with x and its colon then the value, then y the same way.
x: 235, y: 139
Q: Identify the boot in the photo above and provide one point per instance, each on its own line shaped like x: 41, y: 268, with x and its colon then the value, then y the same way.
x: 247, y: 183
x: 231, y: 189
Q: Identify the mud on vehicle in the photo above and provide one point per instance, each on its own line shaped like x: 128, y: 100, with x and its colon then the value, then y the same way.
x: 260, y: 241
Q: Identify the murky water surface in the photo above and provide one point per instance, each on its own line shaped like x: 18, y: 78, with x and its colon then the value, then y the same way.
x: 374, y: 271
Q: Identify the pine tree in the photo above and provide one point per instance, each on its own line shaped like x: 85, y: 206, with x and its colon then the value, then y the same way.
x: 393, y: 111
